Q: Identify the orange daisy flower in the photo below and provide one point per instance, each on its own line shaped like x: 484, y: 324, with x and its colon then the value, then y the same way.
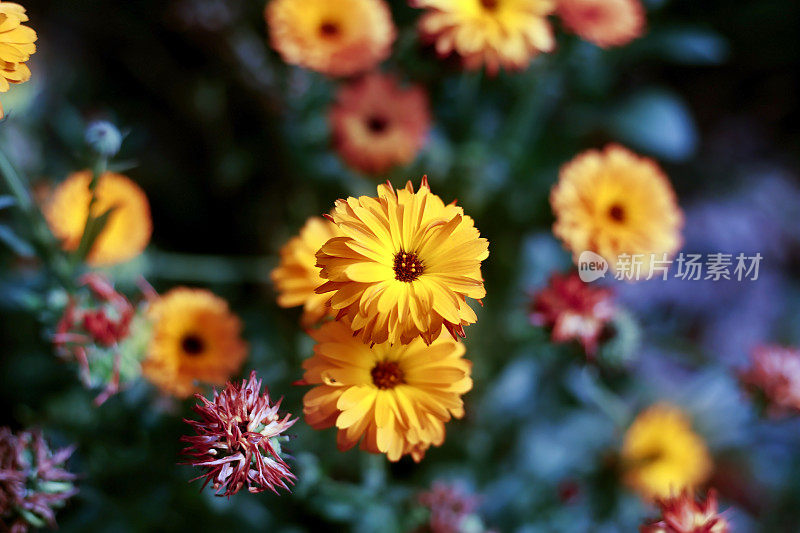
x: 606, y: 23
x: 340, y: 38
x: 195, y: 338
x: 297, y: 275
x: 405, y: 265
x: 614, y: 202
x: 127, y: 231
x: 378, y: 124
x: 16, y: 46
x: 396, y: 397
x: 491, y: 33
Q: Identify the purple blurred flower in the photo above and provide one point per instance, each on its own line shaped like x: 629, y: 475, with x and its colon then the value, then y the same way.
x: 33, y: 482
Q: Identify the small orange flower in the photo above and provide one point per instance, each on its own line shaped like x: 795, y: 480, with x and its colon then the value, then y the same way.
x: 195, y: 339
x: 340, y: 38
x: 491, y: 33
x: 128, y: 229
x: 378, y: 124
x: 297, y: 276
x: 614, y: 202
x: 396, y: 397
x: 606, y: 23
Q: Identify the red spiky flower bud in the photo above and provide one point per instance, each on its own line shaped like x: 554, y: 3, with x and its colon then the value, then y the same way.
x: 238, y: 440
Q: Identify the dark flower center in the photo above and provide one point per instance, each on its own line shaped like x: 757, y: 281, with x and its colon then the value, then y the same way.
x: 377, y: 124
x: 617, y: 213
x: 407, y: 267
x: 329, y: 29
x: 491, y: 5
x: 387, y: 375
x: 192, y: 344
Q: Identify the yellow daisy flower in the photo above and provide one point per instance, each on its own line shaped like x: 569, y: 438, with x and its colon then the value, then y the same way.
x: 128, y: 229
x: 614, y: 202
x: 397, y: 397
x: 195, y: 338
x: 494, y: 33
x: 662, y: 455
x: 297, y: 275
x: 16, y: 46
x: 405, y: 265
x: 340, y: 38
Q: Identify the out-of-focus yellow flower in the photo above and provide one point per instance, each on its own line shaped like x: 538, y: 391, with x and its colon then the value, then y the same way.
x: 614, y: 202
x: 405, y: 265
x: 606, y: 23
x: 378, y: 124
x: 196, y: 339
x: 396, y: 397
x: 491, y: 33
x: 662, y: 455
x: 16, y: 46
x: 128, y: 228
x: 340, y: 38
x: 297, y: 276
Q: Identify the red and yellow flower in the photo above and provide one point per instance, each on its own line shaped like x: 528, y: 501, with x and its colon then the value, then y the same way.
x: 340, y: 38
x: 491, y: 33
x: 378, y: 124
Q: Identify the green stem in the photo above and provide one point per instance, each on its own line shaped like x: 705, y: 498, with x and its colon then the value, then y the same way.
x: 40, y: 235
x: 15, y: 183
x: 90, y: 232
x: 208, y: 268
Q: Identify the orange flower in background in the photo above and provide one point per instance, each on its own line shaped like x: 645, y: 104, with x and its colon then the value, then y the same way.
x: 340, y: 38
x: 404, y: 267
x: 16, y: 46
x: 606, y: 23
x: 297, y: 275
x: 395, y: 399
x: 378, y: 124
x: 662, y: 455
x: 196, y: 339
x: 615, y: 202
x: 491, y: 33
x: 128, y: 228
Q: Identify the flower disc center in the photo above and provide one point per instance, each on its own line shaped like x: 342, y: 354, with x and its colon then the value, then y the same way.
x: 329, y: 29
x: 617, y: 213
x: 192, y: 344
x: 387, y: 375
x: 377, y: 124
x: 491, y: 5
x: 407, y: 266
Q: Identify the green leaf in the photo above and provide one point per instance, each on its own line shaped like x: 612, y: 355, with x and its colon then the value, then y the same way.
x: 658, y: 122
x: 13, y: 241
x: 690, y: 46
x: 6, y: 202
x: 94, y: 227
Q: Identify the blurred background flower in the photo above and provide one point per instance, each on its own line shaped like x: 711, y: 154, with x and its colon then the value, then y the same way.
x: 227, y: 131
